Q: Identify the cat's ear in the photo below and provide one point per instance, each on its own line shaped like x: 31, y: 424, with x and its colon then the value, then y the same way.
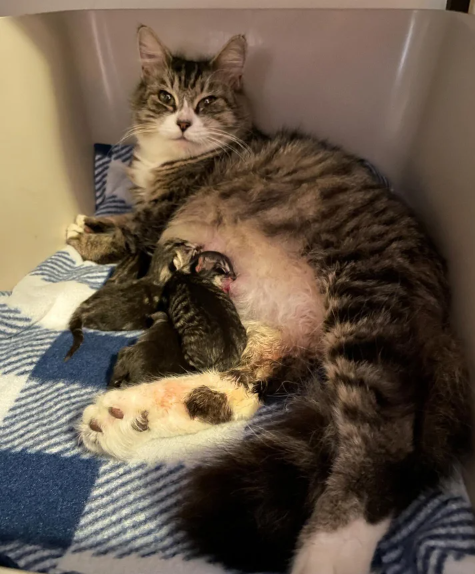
x: 154, y: 56
x: 230, y: 61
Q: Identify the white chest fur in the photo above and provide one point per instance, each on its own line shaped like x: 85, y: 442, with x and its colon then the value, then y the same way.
x: 151, y: 152
x: 160, y: 147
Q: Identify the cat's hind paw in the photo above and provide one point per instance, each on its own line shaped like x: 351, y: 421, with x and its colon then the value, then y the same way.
x: 122, y: 420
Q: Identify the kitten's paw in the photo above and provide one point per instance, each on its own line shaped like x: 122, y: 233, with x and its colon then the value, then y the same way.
x: 348, y: 550
x: 121, y: 375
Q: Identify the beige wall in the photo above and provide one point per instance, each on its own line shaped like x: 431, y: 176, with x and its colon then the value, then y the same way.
x: 45, y: 150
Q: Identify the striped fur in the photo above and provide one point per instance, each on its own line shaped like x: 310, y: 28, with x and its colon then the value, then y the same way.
x: 342, y: 269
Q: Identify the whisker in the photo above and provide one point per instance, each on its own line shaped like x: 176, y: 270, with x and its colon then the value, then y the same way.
x: 228, y: 136
x: 134, y: 131
x: 221, y: 145
x: 224, y: 144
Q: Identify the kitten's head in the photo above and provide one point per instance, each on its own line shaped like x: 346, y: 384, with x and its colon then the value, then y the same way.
x: 191, y: 106
x: 214, y: 267
x: 172, y: 256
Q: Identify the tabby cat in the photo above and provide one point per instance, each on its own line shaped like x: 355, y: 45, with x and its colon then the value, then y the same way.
x: 333, y: 269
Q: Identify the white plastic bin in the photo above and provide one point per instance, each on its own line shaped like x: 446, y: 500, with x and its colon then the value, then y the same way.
x: 395, y: 86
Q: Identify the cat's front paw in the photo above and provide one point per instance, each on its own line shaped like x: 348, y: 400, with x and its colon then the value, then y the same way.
x: 77, y: 228
x: 97, y: 239
x: 77, y: 236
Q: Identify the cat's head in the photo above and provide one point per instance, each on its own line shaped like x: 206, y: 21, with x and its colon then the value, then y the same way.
x: 191, y: 107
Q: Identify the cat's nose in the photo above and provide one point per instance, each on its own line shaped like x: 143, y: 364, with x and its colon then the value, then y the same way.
x: 183, y: 125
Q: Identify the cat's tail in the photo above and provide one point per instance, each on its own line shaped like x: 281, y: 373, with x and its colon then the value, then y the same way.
x: 445, y: 425
x: 247, y: 506
x: 75, y: 326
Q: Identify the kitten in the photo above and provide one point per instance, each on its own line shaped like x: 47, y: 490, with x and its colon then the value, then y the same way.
x: 200, y: 309
x: 127, y: 305
x: 157, y: 353
x: 197, y: 327
x: 337, y: 265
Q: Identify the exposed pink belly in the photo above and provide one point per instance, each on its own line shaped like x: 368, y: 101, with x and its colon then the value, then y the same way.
x: 273, y: 286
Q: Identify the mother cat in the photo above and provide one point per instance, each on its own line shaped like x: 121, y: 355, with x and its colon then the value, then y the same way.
x: 332, y: 269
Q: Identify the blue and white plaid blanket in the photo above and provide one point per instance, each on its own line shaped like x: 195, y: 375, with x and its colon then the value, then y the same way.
x: 62, y: 510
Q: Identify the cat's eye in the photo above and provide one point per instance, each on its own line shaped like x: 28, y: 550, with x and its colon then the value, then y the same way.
x: 166, y: 98
x: 205, y: 102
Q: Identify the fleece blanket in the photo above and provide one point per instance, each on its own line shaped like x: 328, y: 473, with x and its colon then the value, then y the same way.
x: 63, y: 510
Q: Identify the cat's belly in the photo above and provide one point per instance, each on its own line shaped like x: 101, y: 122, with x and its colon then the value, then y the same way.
x: 273, y: 286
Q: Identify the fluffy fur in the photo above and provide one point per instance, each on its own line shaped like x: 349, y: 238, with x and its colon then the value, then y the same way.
x: 173, y: 91
x: 197, y: 330
x: 341, y: 271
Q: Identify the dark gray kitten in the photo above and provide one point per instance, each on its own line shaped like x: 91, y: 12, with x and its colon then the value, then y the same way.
x: 126, y: 304
x: 197, y: 328
x: 340, y: 267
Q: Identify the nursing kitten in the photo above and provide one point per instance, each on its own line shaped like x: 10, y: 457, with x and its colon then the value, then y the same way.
x: 157, y: 353
x: 197, y: 328
x: 126, y: 304
x: 339, y: 267
x: 197, y: 303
